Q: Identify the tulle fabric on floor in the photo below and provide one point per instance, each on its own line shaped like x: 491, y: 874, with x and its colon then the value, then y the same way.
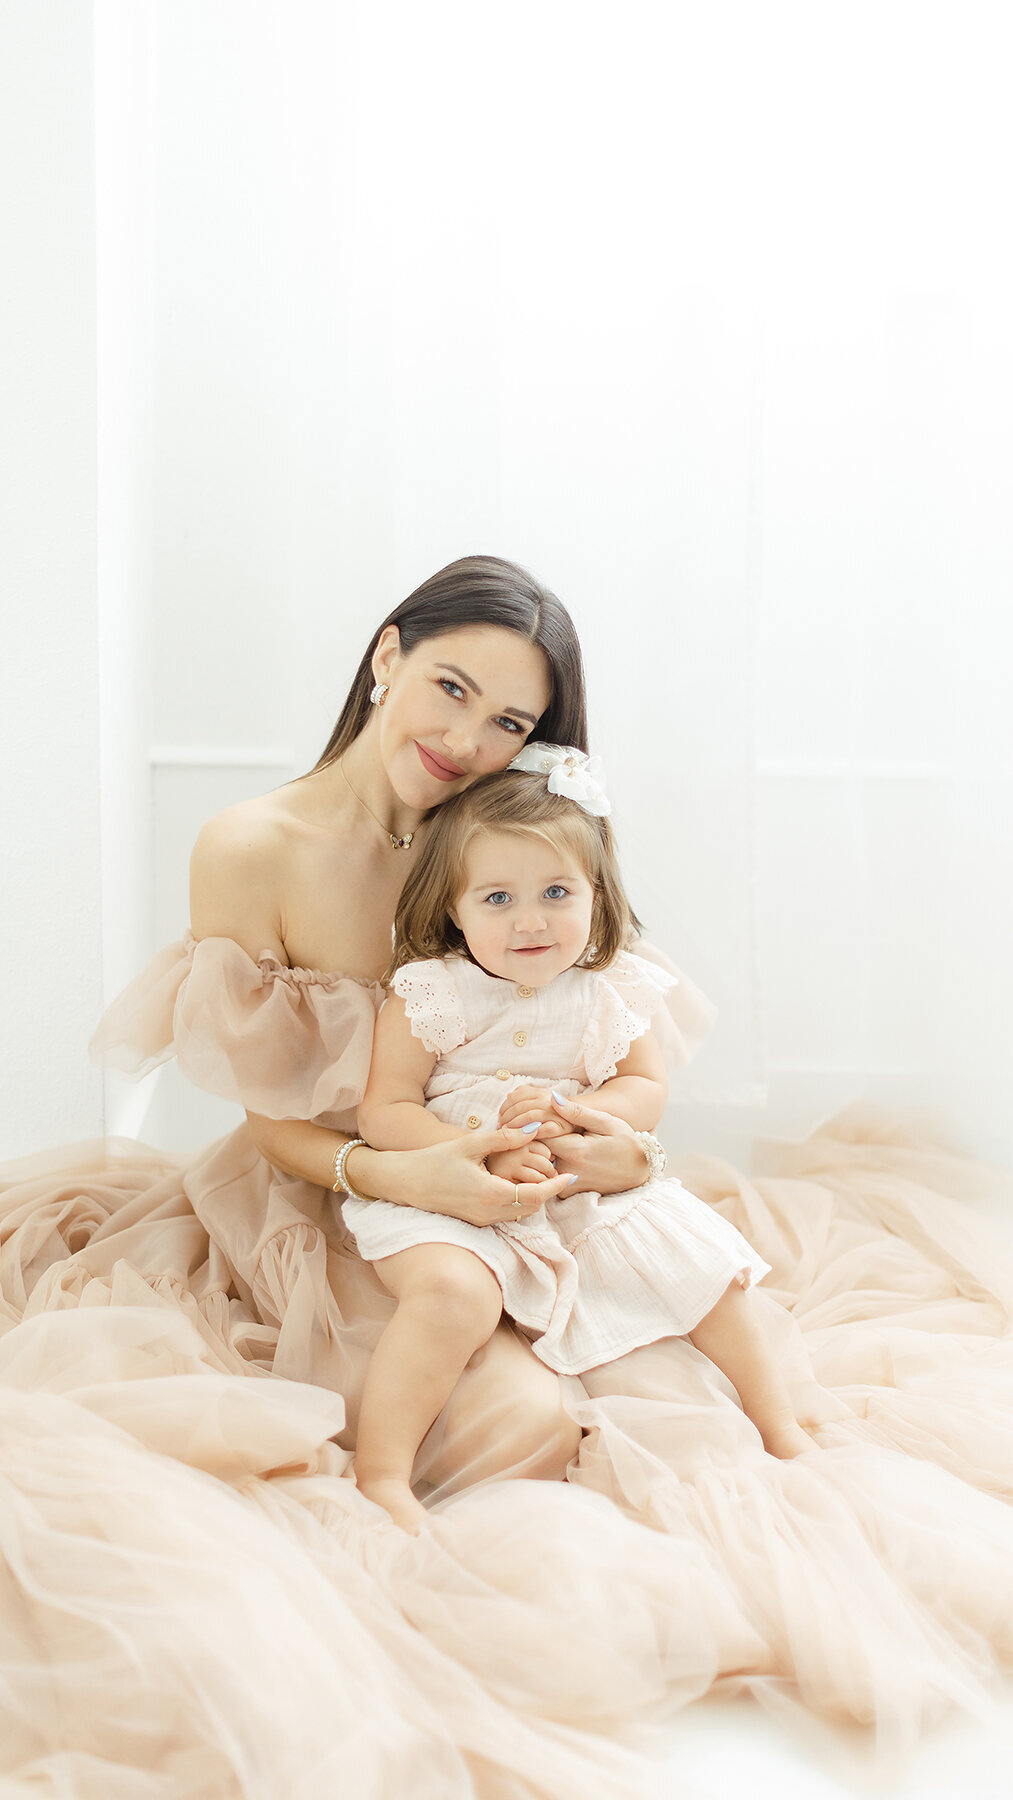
x: 198, y: 1603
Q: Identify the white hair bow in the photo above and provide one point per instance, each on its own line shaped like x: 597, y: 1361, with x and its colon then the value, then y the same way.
x: 570, y: 773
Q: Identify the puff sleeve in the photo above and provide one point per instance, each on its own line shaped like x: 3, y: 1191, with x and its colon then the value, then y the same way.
x: 288, y: 1043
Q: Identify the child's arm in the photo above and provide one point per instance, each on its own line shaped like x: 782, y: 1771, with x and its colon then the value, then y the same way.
x: 638, y: 1090
x: 392, y: 1112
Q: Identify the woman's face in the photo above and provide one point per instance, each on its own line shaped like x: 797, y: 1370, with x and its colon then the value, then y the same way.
x: 457, y: 707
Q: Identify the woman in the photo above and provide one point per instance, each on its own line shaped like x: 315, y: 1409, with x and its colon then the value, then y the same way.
x: 212, y: 1603
x: 471, y: 664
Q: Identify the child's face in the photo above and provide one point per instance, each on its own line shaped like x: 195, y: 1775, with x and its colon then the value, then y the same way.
x: 526, y: 907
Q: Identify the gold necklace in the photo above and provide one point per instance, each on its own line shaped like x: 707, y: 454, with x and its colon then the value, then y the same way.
x: 399, y: 843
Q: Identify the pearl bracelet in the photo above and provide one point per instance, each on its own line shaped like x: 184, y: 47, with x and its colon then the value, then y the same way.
x: 341, y: 1156
x: 654, y: 1150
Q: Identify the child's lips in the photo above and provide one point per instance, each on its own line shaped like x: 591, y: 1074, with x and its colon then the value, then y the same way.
x: 531, y: 949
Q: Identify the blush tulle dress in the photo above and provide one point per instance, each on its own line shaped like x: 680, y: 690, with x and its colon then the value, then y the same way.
x: 197, y: 1604
x: 589, y: 1277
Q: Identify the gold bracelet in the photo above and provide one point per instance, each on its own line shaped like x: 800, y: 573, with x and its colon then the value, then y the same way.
x: 341, y: 1156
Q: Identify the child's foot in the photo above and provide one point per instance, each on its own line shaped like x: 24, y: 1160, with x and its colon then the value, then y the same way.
x: 787, y: 1440
x: 397, y: 1499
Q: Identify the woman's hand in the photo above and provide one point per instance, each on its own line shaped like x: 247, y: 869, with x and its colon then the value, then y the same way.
x: 451, y: 1178
x: 599, y: 1148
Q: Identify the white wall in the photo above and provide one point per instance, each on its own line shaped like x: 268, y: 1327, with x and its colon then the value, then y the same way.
x: 50, y: 877
x: 124, y: 247
x: 702, y: 314
x: 703, y: 318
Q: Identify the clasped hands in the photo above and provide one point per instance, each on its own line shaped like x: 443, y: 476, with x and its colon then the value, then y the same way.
x: 534, y: 1161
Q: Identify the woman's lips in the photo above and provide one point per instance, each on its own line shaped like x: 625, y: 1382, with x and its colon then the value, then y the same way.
x: 435, y: 765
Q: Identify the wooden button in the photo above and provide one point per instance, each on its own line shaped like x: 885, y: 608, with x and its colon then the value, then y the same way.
x: 502, y: 1074
x: 520, y: 1037
x: 473, y: 1121
x: 525, y: 992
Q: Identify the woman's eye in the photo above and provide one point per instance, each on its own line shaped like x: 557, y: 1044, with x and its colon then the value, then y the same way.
x: 453, y: 688
x: 556, y: 892
x: 511, y: 725
x: 499, y: 898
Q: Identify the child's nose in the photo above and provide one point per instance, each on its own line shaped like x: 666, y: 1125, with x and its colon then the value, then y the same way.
x: 529, y: 918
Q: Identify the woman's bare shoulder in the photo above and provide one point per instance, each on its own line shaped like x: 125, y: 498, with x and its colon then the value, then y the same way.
x: 237, y: 875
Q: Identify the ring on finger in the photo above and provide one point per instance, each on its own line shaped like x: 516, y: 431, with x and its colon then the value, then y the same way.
x: 517, y: 1198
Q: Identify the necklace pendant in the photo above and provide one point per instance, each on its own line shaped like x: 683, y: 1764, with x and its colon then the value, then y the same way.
x: 401, y: 843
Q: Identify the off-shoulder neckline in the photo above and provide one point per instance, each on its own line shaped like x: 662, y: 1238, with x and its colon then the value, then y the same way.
x: 269, y: 965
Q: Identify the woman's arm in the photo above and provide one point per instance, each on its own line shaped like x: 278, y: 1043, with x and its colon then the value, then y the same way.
x: 235, y: 888
x: 449, y: 1178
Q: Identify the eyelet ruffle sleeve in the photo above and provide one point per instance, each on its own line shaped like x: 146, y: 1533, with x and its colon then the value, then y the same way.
x: 288, y: 1043
x: 634, y: 996
x: 432, y: 1004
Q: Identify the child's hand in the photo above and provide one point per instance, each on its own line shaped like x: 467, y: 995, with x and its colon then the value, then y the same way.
x: 532, y: 1105
x: 531, y: 1162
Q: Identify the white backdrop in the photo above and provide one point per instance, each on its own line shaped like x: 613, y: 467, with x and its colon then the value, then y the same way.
x: 699, y: 312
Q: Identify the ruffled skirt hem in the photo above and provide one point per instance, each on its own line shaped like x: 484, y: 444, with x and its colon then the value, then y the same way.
x: 589, y: 1279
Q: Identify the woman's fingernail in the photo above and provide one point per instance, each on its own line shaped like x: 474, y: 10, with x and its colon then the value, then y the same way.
x: 560, y: 1097
x: 572, y: 1179
x: 532, y: 1127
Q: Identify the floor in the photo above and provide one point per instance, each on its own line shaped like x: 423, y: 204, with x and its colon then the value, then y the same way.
x: 731, y: 1748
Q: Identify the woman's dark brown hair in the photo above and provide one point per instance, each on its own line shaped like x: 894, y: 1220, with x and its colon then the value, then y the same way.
x: 481, y: 590
x: 518, y: 802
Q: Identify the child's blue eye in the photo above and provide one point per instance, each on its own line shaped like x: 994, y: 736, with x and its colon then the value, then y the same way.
x: 556, y: 892
x: 497, y: 899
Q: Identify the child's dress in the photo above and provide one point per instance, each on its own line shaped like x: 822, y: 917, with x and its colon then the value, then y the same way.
x: 589, y: 1276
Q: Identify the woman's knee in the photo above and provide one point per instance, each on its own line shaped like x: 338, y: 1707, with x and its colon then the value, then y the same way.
x: 545, y: 1441
x: 504, y: 1419
x: 536, y: 1435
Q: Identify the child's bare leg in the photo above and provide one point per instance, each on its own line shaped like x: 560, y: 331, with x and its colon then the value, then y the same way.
x: 732, y: 1336
x: 449, y: 1304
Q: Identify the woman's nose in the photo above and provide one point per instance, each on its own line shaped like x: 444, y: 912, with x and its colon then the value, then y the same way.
x: 460, y: 741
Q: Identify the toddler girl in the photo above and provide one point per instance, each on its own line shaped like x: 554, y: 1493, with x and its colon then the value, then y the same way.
x: 511, y: 988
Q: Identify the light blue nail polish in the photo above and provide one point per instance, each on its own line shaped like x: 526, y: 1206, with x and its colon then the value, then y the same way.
x: 572, y: 1179
x: 560, y: 1097
x: 532, y: 1127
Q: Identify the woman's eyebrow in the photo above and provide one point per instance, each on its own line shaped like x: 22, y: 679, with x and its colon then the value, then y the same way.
x: 473, y: 685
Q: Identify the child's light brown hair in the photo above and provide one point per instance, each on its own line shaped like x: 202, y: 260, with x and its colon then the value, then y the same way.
x: 513, y: 801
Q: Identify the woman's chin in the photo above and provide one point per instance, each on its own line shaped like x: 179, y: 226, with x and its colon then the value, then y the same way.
x: 418, y: 789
